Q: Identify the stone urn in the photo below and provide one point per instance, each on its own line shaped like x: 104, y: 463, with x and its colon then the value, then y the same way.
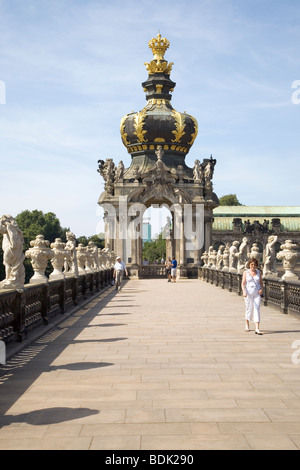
x: 59, y: 255
x: 39, y: 254
x: 289, y: 256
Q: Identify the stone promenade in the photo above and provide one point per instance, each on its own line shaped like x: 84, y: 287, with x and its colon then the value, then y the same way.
x: 158, y: 366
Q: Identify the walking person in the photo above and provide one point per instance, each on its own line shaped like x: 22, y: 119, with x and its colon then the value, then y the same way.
x: 174, y: 269
x: 252, y: 287
x: 168, y: 265
x: 119, y: 270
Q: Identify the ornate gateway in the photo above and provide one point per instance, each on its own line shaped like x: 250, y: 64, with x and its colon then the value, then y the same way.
x: 158, y: 138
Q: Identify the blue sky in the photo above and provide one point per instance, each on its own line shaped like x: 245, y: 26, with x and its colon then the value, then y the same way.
x: 71, y: 69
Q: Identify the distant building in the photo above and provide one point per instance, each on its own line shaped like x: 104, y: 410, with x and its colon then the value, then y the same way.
x: 146, y: 232
x: 256, y: 223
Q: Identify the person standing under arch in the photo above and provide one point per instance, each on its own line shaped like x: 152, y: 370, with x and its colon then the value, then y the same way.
x: 174, y: 269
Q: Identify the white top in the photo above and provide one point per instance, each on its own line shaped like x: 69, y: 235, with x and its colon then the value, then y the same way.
x: 119, y: 266
x: 252, y: 283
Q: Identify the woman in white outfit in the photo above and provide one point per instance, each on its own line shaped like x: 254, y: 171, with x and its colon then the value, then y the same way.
x: 252, y: 287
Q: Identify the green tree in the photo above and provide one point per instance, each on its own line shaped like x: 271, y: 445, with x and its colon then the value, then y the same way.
x: 156, y: 249
x: 33, y: 223
x: 97, y: 239
x: 229, y: 200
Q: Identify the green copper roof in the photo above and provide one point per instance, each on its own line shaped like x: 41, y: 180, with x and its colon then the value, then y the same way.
x: 257, y: 211
x: 289, y: 216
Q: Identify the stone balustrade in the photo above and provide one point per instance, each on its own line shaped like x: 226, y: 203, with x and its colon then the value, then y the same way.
x: 78, y: 273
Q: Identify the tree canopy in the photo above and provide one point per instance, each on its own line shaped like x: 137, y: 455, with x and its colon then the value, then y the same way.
x: 155, y: 250
x: 33, y: 223
x: 229, y: 200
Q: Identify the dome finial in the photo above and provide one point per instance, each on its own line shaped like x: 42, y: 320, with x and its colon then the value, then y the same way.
x: 159, y: 46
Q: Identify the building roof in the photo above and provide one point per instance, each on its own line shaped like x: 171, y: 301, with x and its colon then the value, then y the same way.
x: 257, y: 211
x: 289, y: 216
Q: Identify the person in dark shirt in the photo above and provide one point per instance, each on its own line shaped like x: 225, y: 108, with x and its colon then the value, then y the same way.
x: 174, y: 269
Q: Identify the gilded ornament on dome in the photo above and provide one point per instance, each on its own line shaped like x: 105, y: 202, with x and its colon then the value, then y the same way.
x: 194, y: 135
x: 159, y: 67
x: 180, y: 125
x: 138, y: 125
x: 159, y: 46
x: 122, y: 129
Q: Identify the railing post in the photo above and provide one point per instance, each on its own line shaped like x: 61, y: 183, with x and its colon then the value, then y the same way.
x: 45, y: 301
x: 62, y: 295
x: 284, y: 297
x: 19, y: 316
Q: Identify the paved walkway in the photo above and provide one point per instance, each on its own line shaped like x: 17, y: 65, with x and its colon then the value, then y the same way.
x: 158, y: 366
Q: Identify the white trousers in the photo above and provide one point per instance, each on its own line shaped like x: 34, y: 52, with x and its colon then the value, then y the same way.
x: 252, y: 302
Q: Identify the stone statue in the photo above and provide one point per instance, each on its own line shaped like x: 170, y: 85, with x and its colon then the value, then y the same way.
x: 204, y: 258
x: 81, y: 257
x: 254, y: 253
x: 220, y: 258
x: 120, y: 171
x: 107, y: 170
x: 270, y: 268
x: 70, y: 264
x: 197, y: 172
x: 209, y: 169
x: 93, y: 249
x: 13, y: 256
x: 233, y: 257
x: 225, y: 258
x: 243, y: 255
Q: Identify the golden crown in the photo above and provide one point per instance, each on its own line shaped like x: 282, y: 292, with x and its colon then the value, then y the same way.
x: 158, y: 46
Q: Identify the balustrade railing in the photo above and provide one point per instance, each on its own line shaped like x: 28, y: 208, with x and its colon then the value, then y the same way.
x: 24, y: 309
x: 284, y: 295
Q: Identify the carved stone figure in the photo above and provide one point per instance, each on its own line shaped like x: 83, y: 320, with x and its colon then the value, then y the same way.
x: 93, y: 249
x: 270, y: 268
x: 233, y: 257
x: 71, y: 264
x: 209, y: 169
x: 81, y: 257
x: 219, y: 261
x: 13, y: 256
x: 120, y: 171
x: 39, y: 254
x: 107, y: 170
x: 197, y: 172
x: 225, y: 267
x: 289, y: 256
x: 243, y: 255
x: 254, y: 253
x: 204, y: 258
